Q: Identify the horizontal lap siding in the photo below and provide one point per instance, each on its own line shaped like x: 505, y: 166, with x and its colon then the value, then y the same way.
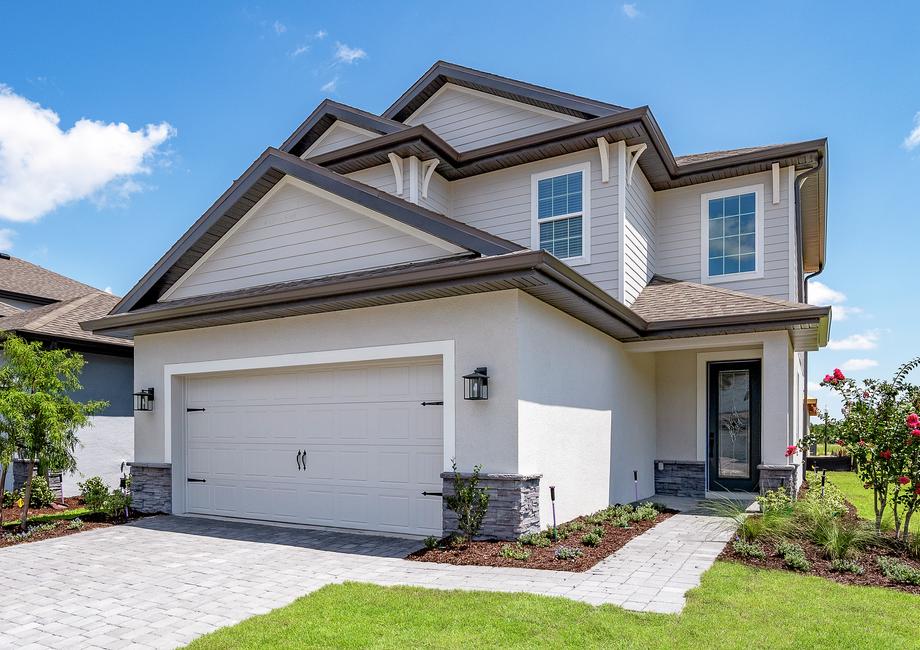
x: 337, y: 137
x: 639, y: 236
x: 438, y: 195
x: 380, y: 177
x: 468, y: 121
x: 296, y: 235
x: 678, y: 235
x: 499, y: 202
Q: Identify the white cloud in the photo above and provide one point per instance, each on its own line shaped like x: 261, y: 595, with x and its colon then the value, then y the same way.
x: 912, y: 141
x: 865, y: 341
x: 814, y: 387
x: 280, y: 27
x: 842, y: 312
x: 330, y: 86
x: 300, y: 49
x: 320, y: 35
x: 630, y: 10
x: 821, y: 294
x: 108, y: 290
x: 346, y: 54
x: 859, y: 364
x: 6, y: 239
x: 43, y: 167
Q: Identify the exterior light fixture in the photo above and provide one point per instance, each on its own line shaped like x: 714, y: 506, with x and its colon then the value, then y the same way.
x: 143, y: 400
x: 476, y: 384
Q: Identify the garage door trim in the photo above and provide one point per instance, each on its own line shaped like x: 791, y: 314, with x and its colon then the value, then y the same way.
x: 174, y: 408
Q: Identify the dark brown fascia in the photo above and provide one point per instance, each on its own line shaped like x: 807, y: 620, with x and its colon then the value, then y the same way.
x: 413, y: 215
x: 337, y: 111
x: 444, y: 72
x: 452, y: 272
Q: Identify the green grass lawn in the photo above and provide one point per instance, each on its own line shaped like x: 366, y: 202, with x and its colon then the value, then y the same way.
x: 735, y: 607
x: 860, y: 497
x: 54, y: 516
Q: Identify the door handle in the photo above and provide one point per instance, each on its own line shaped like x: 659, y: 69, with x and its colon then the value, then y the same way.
x: 298, y: 461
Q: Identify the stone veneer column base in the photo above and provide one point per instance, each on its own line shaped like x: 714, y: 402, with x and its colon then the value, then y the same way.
x: 682, y: 478
x: 514, y: 504
x: 20, y: 470
x: 151, y: 487
x: 776, y: 476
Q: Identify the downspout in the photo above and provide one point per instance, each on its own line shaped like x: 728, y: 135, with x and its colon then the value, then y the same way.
x: 799, y: 182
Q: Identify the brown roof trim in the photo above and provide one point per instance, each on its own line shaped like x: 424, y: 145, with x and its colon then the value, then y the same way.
x: 267, y: 170
x: 325, y: 115
x: 443, y: 72
x: 535, y: 272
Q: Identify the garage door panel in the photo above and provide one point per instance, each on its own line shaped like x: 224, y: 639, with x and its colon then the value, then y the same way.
x: 371, y: 447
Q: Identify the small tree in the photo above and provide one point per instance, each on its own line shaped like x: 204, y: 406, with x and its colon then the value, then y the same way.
x: 35, y: 406
x: 469, y: 501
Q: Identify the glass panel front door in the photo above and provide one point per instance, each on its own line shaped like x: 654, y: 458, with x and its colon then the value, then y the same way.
x: 734, y: 425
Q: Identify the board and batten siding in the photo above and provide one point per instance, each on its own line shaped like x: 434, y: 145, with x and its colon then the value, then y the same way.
x: 338, y: 136
x: 500, y: 203
x: 297, y: 235
x: 679, y: 233
x: 638, y: 236
x: 468, y: 119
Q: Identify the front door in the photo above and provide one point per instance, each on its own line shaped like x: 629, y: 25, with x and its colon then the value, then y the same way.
x: 734, y: 425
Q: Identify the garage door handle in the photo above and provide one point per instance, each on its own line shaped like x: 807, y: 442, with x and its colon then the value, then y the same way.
x: 432, y: 403
x: 303, y: 459
x: 196, y: 480
x: 298, y: 460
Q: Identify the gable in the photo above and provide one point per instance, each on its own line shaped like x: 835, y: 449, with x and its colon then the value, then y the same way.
x: 338, y: 136
x: 298, y: 232
x: 468, y: 119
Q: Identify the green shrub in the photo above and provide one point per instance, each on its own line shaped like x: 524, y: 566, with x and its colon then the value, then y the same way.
x: 431, y: 543
x: 749, y: 549
x: 645, y: 512
x: 514, y: 551
x: 469, y: 501
x: 94, y: 492
x: 41, y: 495
x: 898, y: 571
x: 541, y: 540
x: 591, y: 539
x: 10, y: 498
x: 777, y: 500
x: 116, y: 503
x: 768, y: 526
x: 567, y: 553
x: 847, y: 566
x: 599, y: 531
x: 621, y: 520
x: 794, y: 556
x: 840, y: 539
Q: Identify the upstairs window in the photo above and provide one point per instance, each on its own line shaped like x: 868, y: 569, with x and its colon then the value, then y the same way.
x: 732, y: 226
x: 560, y: 205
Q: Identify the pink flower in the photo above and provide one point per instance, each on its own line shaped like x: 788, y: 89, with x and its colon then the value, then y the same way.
x: 885, y: 454
x: 838, y: 375
x: 828, y: 379
x: 917, y: 490
x: 915, y: 432
x: 840, y: 442
x: 862, y: 443
x: 903, y: 480
x: 791, y: 450
x: 913, y: 421
x: 865, y: 394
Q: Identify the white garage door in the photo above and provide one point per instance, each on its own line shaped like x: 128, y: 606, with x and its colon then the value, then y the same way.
x: 349, y: 446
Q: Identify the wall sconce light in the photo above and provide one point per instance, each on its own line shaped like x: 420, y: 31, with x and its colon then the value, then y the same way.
x: 476, y: 384
x: 143, y: 400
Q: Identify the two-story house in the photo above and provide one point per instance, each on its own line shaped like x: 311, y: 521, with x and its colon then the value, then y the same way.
x: 318, y: 341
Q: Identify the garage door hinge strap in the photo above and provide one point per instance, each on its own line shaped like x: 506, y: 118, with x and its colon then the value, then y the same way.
x: 432, y: 403
x: 192, y: 410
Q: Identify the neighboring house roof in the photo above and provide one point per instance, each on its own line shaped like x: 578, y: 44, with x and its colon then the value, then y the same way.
x: 61, y: 320
x: 325, y: 115
x: 255, y: 182
x: 8, y: 310
x: 535, y: 272
x: 19, y: 278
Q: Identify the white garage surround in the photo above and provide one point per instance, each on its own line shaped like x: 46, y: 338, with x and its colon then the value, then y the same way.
x: 371, y: 447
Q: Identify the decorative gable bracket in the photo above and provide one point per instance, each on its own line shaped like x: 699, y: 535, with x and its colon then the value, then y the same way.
x: 397, y: 164
x: 632, y: 157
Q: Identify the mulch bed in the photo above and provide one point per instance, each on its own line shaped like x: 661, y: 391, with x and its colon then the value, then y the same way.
x: 60, y: 530
x: 821, y: 566
x: 70, y: 503
x: 486, y: 553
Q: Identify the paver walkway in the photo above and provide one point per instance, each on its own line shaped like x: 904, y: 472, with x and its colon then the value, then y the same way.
x: 162, y: 582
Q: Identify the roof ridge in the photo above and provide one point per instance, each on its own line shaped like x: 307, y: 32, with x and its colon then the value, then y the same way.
x: 61, y: 308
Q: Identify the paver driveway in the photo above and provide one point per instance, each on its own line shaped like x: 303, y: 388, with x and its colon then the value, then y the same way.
x: 163, y: 581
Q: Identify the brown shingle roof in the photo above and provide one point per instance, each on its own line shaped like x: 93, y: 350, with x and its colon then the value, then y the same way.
x: 25, y: 278
x: 706, y: 156
x: 62, y: 319
x: 8, y: 310
x: 665, y: 300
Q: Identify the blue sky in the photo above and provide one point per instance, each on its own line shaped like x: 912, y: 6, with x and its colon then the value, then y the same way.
x: 204, y: 87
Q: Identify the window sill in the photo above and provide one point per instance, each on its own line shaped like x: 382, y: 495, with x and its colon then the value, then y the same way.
x: 732, y: 277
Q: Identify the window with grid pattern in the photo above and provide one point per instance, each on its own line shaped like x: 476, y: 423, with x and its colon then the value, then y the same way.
x: 733, y: 234
x: 560, y: 215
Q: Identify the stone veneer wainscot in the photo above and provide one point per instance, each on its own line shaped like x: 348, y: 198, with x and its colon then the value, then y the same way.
x: 514, y: 504
x: 151, y: 487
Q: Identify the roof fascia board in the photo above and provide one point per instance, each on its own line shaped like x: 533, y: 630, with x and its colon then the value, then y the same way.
x: 343, y: 113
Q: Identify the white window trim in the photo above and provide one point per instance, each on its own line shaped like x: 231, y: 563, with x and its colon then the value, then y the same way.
x: 758, y: 191
x: 585, y: 169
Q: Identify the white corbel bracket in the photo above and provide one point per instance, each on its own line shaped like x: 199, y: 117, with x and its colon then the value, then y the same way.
x: 632, y: 157
x: 428, y: 167
x: 604, y: 148
x: 397, y: 164
x: 775, y: 168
